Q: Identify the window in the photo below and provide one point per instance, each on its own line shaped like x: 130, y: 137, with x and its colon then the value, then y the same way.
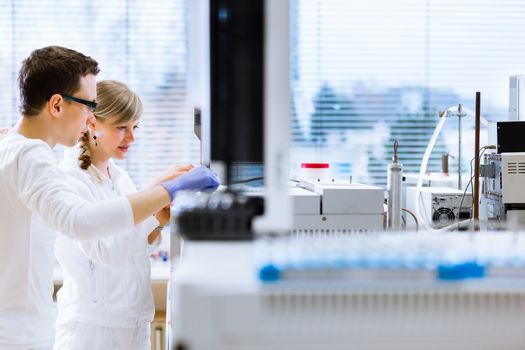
x: 141, y: 44
x: 365, y: 73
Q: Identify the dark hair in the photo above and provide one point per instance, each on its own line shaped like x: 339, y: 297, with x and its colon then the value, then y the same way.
x: 49, y: 71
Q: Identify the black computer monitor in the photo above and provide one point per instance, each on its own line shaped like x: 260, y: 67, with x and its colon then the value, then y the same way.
x: 237, y: 81
x: 510, y: 135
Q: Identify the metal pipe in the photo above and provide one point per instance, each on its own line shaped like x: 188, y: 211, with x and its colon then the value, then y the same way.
x: 475, y: 195
x: 444, y: 164
x: 395, y: 175
x: 459, y: 146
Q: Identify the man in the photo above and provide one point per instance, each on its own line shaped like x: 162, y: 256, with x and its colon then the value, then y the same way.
x: 58, y: 93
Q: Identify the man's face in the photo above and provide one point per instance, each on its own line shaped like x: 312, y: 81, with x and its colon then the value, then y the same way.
x: 76, y: 114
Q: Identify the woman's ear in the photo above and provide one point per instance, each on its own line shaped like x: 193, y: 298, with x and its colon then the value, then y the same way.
x: 92, y: 125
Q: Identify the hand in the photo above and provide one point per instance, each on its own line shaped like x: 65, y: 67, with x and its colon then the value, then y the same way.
x: 200, y: 178
x: 172, y: 173
x: 3, y: 133
x: 163, y: 216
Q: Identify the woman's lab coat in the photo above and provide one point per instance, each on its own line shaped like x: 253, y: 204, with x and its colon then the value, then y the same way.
x: 106, y: 281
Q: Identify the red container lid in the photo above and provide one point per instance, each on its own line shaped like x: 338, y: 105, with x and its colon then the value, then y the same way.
x: 315, y: 165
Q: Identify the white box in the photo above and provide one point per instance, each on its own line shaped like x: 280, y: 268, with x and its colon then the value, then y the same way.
x: 513, y: 178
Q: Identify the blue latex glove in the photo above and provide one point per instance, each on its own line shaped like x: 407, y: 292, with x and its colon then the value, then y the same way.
x: 199, y: 178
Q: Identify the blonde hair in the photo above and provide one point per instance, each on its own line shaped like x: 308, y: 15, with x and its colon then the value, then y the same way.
x: 114, y: 100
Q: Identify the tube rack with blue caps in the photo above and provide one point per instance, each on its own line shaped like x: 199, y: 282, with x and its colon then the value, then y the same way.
x: 387, y: 258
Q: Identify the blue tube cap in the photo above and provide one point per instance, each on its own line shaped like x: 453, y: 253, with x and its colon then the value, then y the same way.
x: 269, y: 273
x: 457, y: 272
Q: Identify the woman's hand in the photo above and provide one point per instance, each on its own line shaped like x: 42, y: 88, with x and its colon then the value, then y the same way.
x: 163, y: 216
x: 197, y: 179
x: 3, y: 133
x: 172, y: 173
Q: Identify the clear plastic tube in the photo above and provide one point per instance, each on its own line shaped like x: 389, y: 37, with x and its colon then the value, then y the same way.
x: 471, y: 113
x: 423, y: 169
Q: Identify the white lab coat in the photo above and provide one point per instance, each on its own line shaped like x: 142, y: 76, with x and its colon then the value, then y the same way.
x: 32, y: 187
x: 106, y: 293
x: 85, y: 336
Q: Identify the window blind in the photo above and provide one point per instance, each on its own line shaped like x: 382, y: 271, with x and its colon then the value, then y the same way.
x: 363, y: 73
x: 367, y: 72
x: 141, y: 44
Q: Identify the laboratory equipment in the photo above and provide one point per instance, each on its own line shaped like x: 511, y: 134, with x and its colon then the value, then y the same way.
x: 240, y: 66
x: 237, y: 81
x: 218, y: 301
x: 491, y: 191
x: 510, y: 136
x: 441, y: 206
x: 394, y: 189
x: 444, y: 163
x: 475, y: 190
x: 517, y: 97
x: 503, y: 190
x: 451, y: 111
x: 405, y: 258
x: 476, y: 300
x: 216, y: 216
x: 319, y: 172
x: 513, y: 178
x: 459, y: 113
x: 503, y: 174
x: 337, y: 206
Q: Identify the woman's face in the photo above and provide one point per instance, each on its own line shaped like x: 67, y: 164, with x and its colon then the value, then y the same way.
x: 114, y: 140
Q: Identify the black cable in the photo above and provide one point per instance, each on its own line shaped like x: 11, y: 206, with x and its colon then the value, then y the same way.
x: 463, y: 197
x: 256, y: 179
x: 413, y: 216
x: 482, y: 149
x: 248, y: 180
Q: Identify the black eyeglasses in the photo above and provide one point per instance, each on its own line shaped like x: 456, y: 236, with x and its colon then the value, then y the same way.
x: 90, y: 104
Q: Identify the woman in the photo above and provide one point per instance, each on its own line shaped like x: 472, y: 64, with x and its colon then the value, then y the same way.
x: 106, y: 300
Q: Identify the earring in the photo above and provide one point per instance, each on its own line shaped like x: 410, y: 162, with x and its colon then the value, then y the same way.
x: 95, y: 138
